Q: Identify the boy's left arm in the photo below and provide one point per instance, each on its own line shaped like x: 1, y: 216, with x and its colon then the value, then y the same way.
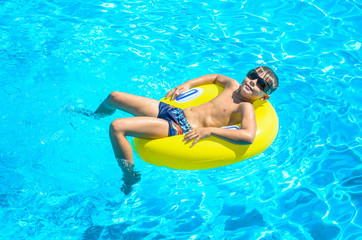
x: 245, y: 135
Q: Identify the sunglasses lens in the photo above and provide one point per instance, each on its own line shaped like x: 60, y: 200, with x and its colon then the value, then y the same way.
x: 261, y: 83
x: 249, y: 73
x: 253, y: 75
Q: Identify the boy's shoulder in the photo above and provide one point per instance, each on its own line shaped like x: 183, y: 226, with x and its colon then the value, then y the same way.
x: 246, y: 107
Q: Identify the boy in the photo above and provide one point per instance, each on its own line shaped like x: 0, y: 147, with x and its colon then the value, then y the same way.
x: 154, y: 119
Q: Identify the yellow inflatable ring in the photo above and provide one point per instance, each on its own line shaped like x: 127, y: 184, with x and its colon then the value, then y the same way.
x: 210, y: 152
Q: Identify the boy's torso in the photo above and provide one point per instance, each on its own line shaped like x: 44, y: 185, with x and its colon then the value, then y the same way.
x: 223, y: 110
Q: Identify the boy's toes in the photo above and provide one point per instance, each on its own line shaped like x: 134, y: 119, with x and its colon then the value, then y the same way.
x: 130, y: 179
x: 126, y: 189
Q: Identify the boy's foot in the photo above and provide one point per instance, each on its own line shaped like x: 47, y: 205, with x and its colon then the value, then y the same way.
x: 104, y: 113
x: 129, y: 180
x: 130, y: 177
x: 82, y: 111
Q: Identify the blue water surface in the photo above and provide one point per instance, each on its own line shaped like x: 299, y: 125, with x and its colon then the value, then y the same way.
x: 59, y: 178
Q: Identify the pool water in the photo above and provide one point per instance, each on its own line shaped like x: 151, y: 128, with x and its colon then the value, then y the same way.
x: 59, y: 178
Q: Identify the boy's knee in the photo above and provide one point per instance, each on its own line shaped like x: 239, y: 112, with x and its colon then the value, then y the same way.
x: 117, y: 126
x: 114, y: 96
x: 120, y: 126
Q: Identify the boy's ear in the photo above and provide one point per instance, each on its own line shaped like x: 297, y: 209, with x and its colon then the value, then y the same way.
x: 265, y: 97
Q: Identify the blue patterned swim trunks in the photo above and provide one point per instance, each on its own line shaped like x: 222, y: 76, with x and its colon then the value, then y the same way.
x: 175, y: 117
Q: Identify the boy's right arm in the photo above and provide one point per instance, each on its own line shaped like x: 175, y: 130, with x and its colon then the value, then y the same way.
x: 211, y: 78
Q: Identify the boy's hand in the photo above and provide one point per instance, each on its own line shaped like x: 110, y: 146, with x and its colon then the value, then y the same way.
x: 197, y: 134
x: 177, y: 90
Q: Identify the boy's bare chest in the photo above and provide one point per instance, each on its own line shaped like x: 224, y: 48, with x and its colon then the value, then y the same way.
x: 228, y: 113
x: 220, y: 111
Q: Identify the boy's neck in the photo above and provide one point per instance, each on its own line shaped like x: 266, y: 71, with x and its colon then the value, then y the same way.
x: 238, y: 98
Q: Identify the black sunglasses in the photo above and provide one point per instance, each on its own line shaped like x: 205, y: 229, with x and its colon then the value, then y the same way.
x: 252, y: 74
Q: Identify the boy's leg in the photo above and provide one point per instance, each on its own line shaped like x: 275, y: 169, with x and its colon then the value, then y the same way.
x: 142, y: 127
x: 136, y: 105
x: 145, y: 127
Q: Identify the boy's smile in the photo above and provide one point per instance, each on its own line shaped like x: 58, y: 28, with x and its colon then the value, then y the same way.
x: 248, y: 87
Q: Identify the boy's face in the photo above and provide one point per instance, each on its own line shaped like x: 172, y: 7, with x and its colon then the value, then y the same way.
x: 251, y: 89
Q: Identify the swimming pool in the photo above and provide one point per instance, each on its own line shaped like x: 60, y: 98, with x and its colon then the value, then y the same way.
x: 59, y: 178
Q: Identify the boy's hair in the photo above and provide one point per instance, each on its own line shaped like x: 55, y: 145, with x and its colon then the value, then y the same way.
x: 271, y: 78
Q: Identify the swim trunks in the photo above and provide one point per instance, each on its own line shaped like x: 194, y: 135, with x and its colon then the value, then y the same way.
x: 175, y: 117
